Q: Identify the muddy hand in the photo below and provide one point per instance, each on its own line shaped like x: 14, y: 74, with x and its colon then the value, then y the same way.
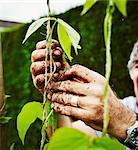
x: 38, y: 63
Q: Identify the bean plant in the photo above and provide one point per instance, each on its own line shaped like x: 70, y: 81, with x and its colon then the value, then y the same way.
x: 67, y: 138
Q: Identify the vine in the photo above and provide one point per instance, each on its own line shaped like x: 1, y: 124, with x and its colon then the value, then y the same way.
x: 46, y: 114
x: 107, y: 37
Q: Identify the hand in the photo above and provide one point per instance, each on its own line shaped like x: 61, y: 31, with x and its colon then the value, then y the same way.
x: 38, y: 62
x: 90, y: 107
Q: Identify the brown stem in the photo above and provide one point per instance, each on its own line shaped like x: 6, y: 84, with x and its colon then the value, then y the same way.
x: 3, y: 132
x: 2, y: 102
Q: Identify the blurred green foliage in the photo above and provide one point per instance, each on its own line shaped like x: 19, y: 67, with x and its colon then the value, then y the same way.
x: 18, y: 83
x: 16, y: 60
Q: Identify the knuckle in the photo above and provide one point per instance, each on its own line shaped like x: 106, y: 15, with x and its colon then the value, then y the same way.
x: 58, y: 84
x: 67, y: 110
x: 52, y: 97
x: 59, y: 49
x: 55, y: 96
x: 54, y: 41
x: 64, y: 98
x: 81, y: 101
x: 41, y: 44
x: 57, y: 107
x: 75, y: 66
x: 33, y: 55
x: 37, y: 68
x: 66, y: 85
x: 39, y: 81
x: 57, y: 54
x: 38, y: 55
x: 32, y: 68
x: 54, y: 44
x: 34, y: 52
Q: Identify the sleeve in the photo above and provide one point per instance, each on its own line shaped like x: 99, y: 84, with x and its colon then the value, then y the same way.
x: 130, y: 102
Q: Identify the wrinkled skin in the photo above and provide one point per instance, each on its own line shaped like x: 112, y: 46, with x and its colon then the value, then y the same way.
x: 38, y: 63
x: 90, y: 104
x: 88, y: 86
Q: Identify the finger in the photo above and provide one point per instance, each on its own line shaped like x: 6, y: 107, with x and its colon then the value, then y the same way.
x: 62, y: 98
x: 57, y: 53
x: 84, y: 102
x: 40, y: 55
x: 86, y: 74
x: 78, y: 113
x: 43, y: 44
x: 39, y: 67
x: 39, y: 80
x: 78, y: 88
x: 59, y: 66
x: 78, y: 71
x: 67, y: 86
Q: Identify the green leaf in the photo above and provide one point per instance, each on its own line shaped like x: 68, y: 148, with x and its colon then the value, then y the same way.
x: 122, y: 6
x: 12, y: 146
x: 46, y: 147
x: 106, y: 19
x: 88, y: 4
x: 35, y: 25
x: 52, y: 121
x: 105, y: 143
x: 72, y: 139
x: 64, y: 40
x: 73, y: 35
x: 7, y: 96
x: 29, y: 113
x: 4, y: 120
x: 69, y: 139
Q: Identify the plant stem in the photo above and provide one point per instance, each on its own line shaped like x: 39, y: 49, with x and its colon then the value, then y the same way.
x: 107, y: 37
x: 43, y: 131
x: 46, y: 113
